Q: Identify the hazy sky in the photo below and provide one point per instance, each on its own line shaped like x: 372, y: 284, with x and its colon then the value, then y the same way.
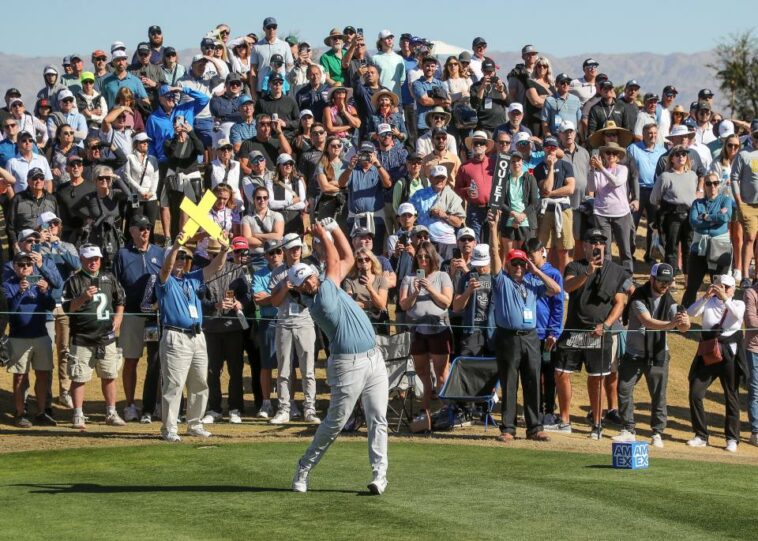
x: 673, y: 26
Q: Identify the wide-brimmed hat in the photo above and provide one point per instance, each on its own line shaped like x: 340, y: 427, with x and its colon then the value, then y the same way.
x: 615, y: 148
x: 338, y: 88
x: 382, y: 93
x: 680, y: 130
x: 598, y: 138
x: 333, y: 33
x: 479, y: 135
x: 437, y: 110
x: 679, y: 109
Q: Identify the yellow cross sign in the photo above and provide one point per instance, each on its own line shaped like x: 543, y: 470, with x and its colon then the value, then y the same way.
x: 198, y: 217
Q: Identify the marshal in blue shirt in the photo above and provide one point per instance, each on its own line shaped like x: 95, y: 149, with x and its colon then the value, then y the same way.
x: 175, y: 297
x: 512, y: 301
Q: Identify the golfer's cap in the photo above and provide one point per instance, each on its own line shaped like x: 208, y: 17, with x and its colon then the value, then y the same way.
x: 299, y: 273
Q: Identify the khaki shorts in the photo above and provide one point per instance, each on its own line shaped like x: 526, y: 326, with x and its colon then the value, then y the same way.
x: 83, y: 362
x: 546, y: 230
x: 24, y: 353
x: 131, y: 338
x: 749, y: 218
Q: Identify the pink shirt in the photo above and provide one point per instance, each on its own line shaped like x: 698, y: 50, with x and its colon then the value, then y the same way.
x: 751, y: 319
x: 611, y: 192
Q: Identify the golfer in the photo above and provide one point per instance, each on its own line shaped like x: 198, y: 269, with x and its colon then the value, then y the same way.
x: 355, y: 367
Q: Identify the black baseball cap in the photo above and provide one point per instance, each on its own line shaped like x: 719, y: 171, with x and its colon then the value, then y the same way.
x: 155, y: 29
x: 488, y: 65
x: 663, y: 272
x: 592, y: 234
x: 478, y: 41
x: 670, y: 90
x: 705, y: 93
x: 140, y: 220
x: 169, y: 51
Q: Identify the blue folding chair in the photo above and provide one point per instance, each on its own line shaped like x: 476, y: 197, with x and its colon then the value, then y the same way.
x: 472, y: 379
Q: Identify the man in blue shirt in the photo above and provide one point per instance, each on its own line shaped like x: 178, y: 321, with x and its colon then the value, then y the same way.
x: 355, y: 367
x: 428, y: 92
x: 160, y: 125
x: 549, y: 328
x: 184, y: 358
x: 121, y: 78
x: 645, y: 155
x: 514, y: 296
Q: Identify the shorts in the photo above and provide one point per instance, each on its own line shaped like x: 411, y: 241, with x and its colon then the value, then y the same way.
x: 83, y: 361
x: 131, y: 338
x: 597, y: 362
x: 749, y: 218
x: 24, y: 353
x: 547, y: 234
x: 515, y: 233
x: 439, y: 343
x: 204, y: 130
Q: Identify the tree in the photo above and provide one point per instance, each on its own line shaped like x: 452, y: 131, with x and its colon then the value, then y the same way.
x: 737, y: 71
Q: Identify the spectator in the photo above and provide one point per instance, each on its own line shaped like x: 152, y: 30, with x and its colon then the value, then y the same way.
x: 244, y: 128
x: 406, y: 218
x: 559, y: 107
x: 313, y: 96
x: 287, y: 194
x: 29, y: 204
x: 135, y: 265
x: 27, y: 122
x: 224, y: 213
x: 646, y: 116
x: 331, y: 60
x: 9, y: 147
x: 473, y: 183
x: 368, y: 287
x: 390, y: 64
x: 28, y: 300
x: 745, y: 188
x: 441, y: 155
x: 142, y: 174
x: 114, y: 131
x: 722, y: 167
x: 105, y: 211
x: 630, y: 99
x: 276, y: 102
x: 364, y: 238
x: 751, y: 323
x: 99, y: 67
x: 264, y: 143
x: 204, y: 78
x: 312, y: 148
x: 97, y: 154
x: 425, y: 297
x: 410, y: 183
x: 607, y: 109
x: 651, y: 308
x: 365, y: 87
x: 60, y: 151
x: 519, y: 210
x: 339, y: 117
x: 225, y: 170
x: 90, y: 102
x: 385, y: 105
x: 455, y: 83
x: 429, y: 92
x: 437, y: 119
x: 479, y: 47
x: 329, y: 197
x: 52, y: 85
x: 439, y: 209
x: 356, y: 59
x: 299, y: 76
x: 26, y: 161
x: 267, y: 47
x: 489, y: 97
x: 71, y: 199
x: 127, y: 105
x: 722, y: 312
x: 538, y: 88
x: 119, y: 79
x: 261, y: 225
x: 225, y: 107
x: 172, y: 69
x: 94, y: 302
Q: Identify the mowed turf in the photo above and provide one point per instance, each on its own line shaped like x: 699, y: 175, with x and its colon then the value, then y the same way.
x: 237, y: 491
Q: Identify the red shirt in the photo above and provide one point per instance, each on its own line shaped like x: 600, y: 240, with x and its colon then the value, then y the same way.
x: 480, y: 173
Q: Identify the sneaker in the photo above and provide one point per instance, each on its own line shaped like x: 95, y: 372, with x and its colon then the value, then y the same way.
x: 211, y: 417
x: 754, y: 439
x: 114, y: 420
x: 745, y: 283
x: 131, y: 413
x: 597, y: 432
x: 657, y: 441
x: 311, y: 417
x: 22, y: 422
x: 65, y: 400
x: 550, y: 419
x: 697, y: 442
x: 731, y: 446
x: 44, y: 419
x: 234, y: 417
x: 300, y: 481
x: 737, y: 275
x: 280, y: 418
x: 613, y: 417
x: 562, y: 427
x: 294, y: 411
x: 198, y: 431
x: 171, y: 437
x: 626, y: 436
x: 266, y: 410
x: 146, y: 419
x: 79, y: 422
x: 378, y: 485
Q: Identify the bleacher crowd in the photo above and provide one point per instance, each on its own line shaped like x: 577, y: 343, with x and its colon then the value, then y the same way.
x: 401, y: 147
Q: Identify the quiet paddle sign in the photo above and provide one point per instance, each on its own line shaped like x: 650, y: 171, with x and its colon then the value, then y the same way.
x: 497, y: 195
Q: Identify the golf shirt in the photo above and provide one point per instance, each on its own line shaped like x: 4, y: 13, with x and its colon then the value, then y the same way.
x: 176, y: 295
x: 345, y: 324
x: 516, y: 304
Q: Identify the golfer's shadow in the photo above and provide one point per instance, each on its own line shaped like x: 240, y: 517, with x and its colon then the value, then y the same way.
x: 94, y: 488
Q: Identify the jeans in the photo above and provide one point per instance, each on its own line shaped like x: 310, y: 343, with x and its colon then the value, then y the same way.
x: 701, y: 377
x: 651, y: 212
x: 363, y: 376
x: 476, y: 219
x: 752, y: 400
x: 631, y: 370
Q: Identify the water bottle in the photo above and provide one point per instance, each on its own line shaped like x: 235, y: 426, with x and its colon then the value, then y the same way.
x: 473, y: 190
x: 243, y: 320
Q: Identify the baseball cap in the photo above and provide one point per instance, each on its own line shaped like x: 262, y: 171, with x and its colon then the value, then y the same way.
x: 224, y: 143
x: 590, y: 62
x: 35, y: 172
x: 240, y: 243
x: 233, y: 76
x: 49, y: 69
x: 15, y: 101
x: 414, y: 157
x: 703, y: 106
x: 563, y: 77
x: 292, y: 240
x: 87, y: 76
x: 367, y: 147
x: 276, y: 76
x: 663, y: 272
x: 726, y: 280
x: 155, y: 29
x: 306, y: 112
x: 276, y: 59
x: 143, y: 47
x: 66, y: 61
x: 478, y: 41
x: 256, y: 155
x: 481, y: 256
x: 140, y: 220
x: 44, y: 219
x: 207, y: 43
x: 141, y: 136
x: 117, y: 46
x: 465, y: 56
x: 705, y: 93
x: 521, y: 137
x: 606, y: 84
x: 98, y: 52
x: 465, y: 232
x: 516, y: 106
x: 284, y: 158
x: 299, y: 273
x: 165, y: 89
x: 550, y: 142
x: 516, y: 254
x: 595, y: 234
x: 419, y: 229
x: 269, y: 21
x: 566, y: 125
x: 199, y: 58
x: 406, y: 208
x: 529, y: 49
x: 244, y: 98
x: 383, y: 128
x: 650, y: 96
x: 670, y: 90
x: 75, y: 158
x: 63, y: 94
x: 22, y: 255
x: 438, y: 171
x: 26, y: 233
x: 44, y: 103
x: 361, y: 232
x: 386, y: 34
x: 118, y: 53
x: 726, y: 129
x: 488, y: 65
x: 271, y: 244
x: 631, y: 83
x: 90, y: 250
x: 168, y: 51
x: 600, y: 78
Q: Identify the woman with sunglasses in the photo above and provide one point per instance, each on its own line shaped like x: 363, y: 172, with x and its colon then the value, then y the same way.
x: 711, y: 249
x: 287, y: 195
x: 675, y: 190
x: 224, y: 213
x: 369, y: 289
x: 457, y: 85
x: 90, y: 102
x: 133, y: 112
x: 722, y: 167
x: 425, y: 296
x: 141, y: 172
x: 340, y: 117
x: 386, y: 112
x: 330, y: 198
x: 538, y: 88
x: 261, y: 226
x: 105, y: 207
x: 58, y: 153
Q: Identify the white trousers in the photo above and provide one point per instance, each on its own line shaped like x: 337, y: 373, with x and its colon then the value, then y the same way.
x: 301, y: 342
x: 363, y: 376
x: 184, y: 361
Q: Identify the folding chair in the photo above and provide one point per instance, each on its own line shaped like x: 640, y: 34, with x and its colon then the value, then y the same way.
x: 401, y: 373
x: 472, y: 379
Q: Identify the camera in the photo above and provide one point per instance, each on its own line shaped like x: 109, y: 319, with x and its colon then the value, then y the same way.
x: 134, y: 200
x: 595, y: 253
x: 494, y: 79
x: 403, y: 239
x: 364, y: 156
x: 359, y: 31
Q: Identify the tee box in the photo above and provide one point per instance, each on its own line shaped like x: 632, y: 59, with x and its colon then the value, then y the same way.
x: 630, y: 455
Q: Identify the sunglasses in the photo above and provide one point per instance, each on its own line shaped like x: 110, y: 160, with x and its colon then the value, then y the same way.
x: 77, y: 163
x: 732, y: 145
x: 362, y: 260
x: 336, y: 145
x: 318, y: 132
x: 10, y: 125
x: 31, y: 241
x: 275, y: 251
x: 423, y: 256
x: 94, y: 147
x: 503, y: 142
x: 67, y: 133
x: 235, y: 83
x: 103, y: 177
x: 713, y: 183
x: 276, y: 82
x: 479, y: 143
x: 264, y: 124
x: 224, y: 33
x: 288, y: 164
x: 518, y: 263
x: 596, y: 242
x: 272, y: 27
x: 18, y: 105
x: 37, y: 178
x: 23, y: 265
x: 261, y: 198
x: 99, y: 59
x: 680, y: 154
x: 440, y: 138
x: 181, y: 257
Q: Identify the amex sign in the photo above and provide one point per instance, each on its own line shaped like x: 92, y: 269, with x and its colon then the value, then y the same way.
x: 630, y: 456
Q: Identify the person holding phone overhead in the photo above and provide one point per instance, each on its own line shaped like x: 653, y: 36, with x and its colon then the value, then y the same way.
x: 425, y: 297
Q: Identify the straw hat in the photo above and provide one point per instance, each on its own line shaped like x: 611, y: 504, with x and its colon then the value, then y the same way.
x: 333, y: 33
x: 613, y: 148
x: 382, y: 93
x: 598, y: 138
x: 479, y: 135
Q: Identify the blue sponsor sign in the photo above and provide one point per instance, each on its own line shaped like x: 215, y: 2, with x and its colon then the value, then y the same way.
x: 630, y: 456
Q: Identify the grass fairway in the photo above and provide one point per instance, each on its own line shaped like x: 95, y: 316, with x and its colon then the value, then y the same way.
x: 436, y: 491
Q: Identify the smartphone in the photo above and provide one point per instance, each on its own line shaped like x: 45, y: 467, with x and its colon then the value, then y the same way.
x: 229, y: 295
x: 359, y: 31
x: 595, y: 253
x: 680, y: 308
x: 473, y: 276
x: 275, y: 117
x: 420, y: 273
x: 457, y: 253
x: 37, y: 247
x: 33, y: 279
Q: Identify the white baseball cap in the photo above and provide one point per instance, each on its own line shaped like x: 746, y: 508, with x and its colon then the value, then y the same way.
x: 481, y: 256
x: 65, y: 93
x: 292, y: 240
x: 726, y: 129
x: 521, y: 137
x: 118, y: 46
x: 45, y: 218
x: 406, y: 208
x: 306, y: 112
x: 438, y: 171
x: 90, y: 250
x: 385, y: 34
x: 726, y: 280
x: 566, y: 125
x: 299, y: 273
x: 383, y: 128
x: 516, y: 107
x: 465, y: 232
x: 119, y: 53
x: 284, y: 158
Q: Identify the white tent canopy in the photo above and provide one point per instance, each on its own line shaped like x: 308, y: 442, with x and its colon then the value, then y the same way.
x: 442, y: 50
